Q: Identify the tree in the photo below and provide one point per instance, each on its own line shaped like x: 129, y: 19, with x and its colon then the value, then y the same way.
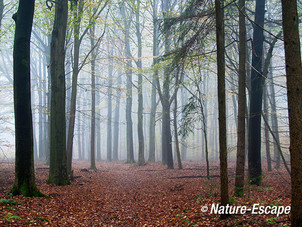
x: 274, y: 118
x: 140, y: 132
x: 266, y: 130
x: 92, y: 135
x: 165, y: 96
x: 109, y: 110
x: 126, y: 20
x: 116, y: 119
x: 257, y: 80
x: 58, y: 173
x: 24, y: 162
x: 77, y: 14
x: 176, y: 133
x: 294, y: 93
x: 221, y: 104
x: 240, y: 162
x: 153, y: 84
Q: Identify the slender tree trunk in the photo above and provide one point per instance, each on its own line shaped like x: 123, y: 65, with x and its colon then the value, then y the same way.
x: 98, y: 126
x: 266, y: 131
x: 117, y: 118
x: 184, y: 99
x: 79, y: 136
x: 176, y: 134
x: 274, y: 118
x: 98, y: 122
x: 153, y: 92
x: 140, y: 132
x: 130, y: 152
x: 294, y: 93
x: 109, y: 110
x: 205, y: 138
x: 77, y: 13
x: 257, y: 80
x: 92, y: 136
x: 204, y: 114
x: 58, y: 173
x: 24, y: 155
x: 222, y: 104
x: 240, y: 162
x: 167, y: 156
x: 40, y: 93
x: 47, y: 103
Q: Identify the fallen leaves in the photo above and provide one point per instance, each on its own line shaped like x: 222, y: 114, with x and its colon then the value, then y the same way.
x: 119, y: 194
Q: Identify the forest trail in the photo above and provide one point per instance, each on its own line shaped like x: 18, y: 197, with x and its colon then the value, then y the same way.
x: 119, y: 194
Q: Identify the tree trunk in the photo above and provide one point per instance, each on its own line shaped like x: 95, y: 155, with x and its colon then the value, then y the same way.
x: 140, y: 132
x: 117, y: 119
x: 153, y: 92
x: 294, y: 92
x: 184, y: 100
x: 109, y: 110
x: 274, y: 118
x: 92, y: 136
x: 167, y: 156
x: 79, y: 136
x: 77, y: 13
x: 176, y: 134
x: 222, y: 104
x: 58, y: 173
x: 130, y: 153
x: 266, y: 131
x: 240, y: 162
x: 24, y: 156
x: 40, y: 93
x: 257, y: 80
x: 98, y: 127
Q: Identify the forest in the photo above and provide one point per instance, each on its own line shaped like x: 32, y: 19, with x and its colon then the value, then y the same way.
x: 150, y: 113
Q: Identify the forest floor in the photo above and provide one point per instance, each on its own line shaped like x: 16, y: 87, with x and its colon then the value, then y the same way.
x: 119, y: 194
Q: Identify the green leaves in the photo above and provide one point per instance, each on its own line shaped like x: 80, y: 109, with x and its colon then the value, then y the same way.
x: 9, y: 202
x: 190, y: 112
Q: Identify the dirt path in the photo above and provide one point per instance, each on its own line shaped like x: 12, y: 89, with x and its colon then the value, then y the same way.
x: 119, y: 194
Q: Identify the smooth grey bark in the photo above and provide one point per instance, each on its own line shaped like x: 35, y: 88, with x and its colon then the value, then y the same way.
x: 93, y: 65
x: 117, y: 119
x: 79, y: 135
x: 58, y: 172
x: 98, y: 125
x: 274, y: 118
x: 140, y: 132
x: 109, y: 106
x: 41, y: 122
x: 77, y: 16
x: 129, y: 129
x: 154, y: 77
